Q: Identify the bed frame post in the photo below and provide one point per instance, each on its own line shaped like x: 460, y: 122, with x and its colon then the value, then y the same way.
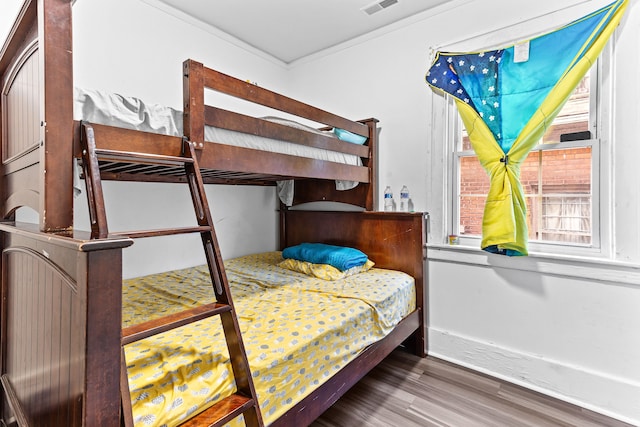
x: 56, y: 126
x: 193, y: 99
x: 372, y: 187
x: 37, y: 151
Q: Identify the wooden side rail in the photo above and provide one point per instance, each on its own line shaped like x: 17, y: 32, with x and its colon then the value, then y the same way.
x: 220, y: 163
x: 230, y: 120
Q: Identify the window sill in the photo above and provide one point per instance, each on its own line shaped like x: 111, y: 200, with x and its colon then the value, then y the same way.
x: 561, y: 265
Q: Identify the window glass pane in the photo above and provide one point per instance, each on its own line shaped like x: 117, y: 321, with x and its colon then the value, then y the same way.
x: 574, y: 116
x: 565, y: 199
x: 474, y: 186
x: 556, y: 182
x: 530, y: 180
x: 557, y: 187
x: 466, y: 144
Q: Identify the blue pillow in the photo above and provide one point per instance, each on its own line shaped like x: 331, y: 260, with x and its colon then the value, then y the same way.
x: 351, y: 137
x: 341, y: 257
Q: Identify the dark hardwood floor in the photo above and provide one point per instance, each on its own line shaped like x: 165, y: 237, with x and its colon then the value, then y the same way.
x: 406, y: 391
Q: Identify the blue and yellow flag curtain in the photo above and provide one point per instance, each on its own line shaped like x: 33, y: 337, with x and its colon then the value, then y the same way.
x: 507, y: 98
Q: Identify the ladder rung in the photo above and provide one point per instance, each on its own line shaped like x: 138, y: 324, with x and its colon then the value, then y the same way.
x: 134, y: 157
x: 222, y: 412
x: 172, y: 321
x: 161, y: 232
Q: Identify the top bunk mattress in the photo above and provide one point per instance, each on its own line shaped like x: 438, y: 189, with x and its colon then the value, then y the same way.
x: 297, y: 330
x: 132, y: 113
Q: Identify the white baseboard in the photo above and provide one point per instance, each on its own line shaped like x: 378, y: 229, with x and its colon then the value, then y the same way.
x: 615, y: 397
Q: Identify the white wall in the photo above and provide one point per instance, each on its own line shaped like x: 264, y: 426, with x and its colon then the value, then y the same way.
x: 10, y: 10
x: 567, y: 327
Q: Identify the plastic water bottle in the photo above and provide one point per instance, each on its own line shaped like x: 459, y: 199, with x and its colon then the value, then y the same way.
x: 388, y: 199
x: 404, y: 199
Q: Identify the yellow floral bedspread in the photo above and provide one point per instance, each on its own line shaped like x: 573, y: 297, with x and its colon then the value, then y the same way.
x: 298, y: 331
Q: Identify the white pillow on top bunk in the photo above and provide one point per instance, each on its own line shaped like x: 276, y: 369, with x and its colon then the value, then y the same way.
x: 126, y: 112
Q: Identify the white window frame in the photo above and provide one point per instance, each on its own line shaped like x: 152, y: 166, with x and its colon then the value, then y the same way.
x: 599, y: 125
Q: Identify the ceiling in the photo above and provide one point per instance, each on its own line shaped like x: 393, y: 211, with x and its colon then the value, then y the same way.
x: 290, y: 30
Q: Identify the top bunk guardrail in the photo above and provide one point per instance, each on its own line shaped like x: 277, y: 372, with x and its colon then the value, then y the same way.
x: 235, y: 148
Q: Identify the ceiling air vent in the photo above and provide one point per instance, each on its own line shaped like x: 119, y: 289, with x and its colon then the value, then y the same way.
x: 378, y: 6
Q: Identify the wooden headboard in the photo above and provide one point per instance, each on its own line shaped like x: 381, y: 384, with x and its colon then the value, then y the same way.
x: 393, y: 240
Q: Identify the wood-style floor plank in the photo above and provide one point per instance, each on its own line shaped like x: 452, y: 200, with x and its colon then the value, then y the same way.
x: 407, y: 391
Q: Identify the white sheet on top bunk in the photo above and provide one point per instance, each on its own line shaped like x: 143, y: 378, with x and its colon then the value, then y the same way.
x: 132, y: 113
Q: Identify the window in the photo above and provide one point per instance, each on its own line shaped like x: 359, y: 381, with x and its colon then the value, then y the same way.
x: 560, y: 178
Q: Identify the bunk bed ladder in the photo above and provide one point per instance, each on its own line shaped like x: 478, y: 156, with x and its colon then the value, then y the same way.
x: 244, y: 401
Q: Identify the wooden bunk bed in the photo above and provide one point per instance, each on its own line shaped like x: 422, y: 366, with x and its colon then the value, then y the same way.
x: 61, y: 312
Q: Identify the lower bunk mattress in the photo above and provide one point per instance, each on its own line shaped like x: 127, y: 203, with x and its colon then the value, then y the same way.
x: 298, y: 331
